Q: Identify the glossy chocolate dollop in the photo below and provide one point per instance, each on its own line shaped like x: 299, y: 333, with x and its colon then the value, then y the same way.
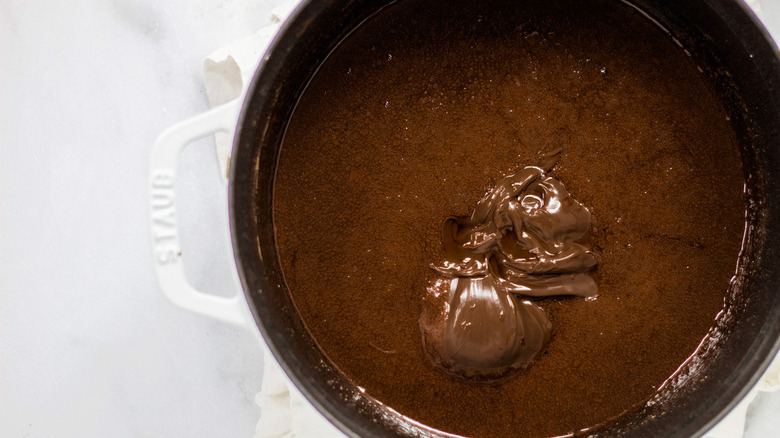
x: 521, y: 239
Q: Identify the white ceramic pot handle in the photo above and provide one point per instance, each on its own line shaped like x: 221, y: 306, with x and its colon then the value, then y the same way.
x: 162, y: 213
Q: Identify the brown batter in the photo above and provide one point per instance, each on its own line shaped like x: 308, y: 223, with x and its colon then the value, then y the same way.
x: 421, y: 111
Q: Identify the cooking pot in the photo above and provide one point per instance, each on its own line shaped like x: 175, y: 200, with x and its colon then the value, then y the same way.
x: 723, y: 37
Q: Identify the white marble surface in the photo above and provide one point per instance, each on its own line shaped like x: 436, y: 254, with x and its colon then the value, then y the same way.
x: 88, y: 345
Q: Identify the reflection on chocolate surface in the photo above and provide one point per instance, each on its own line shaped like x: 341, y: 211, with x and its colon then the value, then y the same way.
x: 520, y: 239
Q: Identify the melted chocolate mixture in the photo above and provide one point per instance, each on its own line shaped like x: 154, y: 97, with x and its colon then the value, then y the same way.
x: 419, y: 114
x: 520, y: 239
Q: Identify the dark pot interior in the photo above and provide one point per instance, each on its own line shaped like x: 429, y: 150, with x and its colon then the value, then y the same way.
x: 723, y: 37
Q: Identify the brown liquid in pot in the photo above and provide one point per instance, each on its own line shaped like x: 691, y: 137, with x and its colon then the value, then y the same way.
x: 421, y: 111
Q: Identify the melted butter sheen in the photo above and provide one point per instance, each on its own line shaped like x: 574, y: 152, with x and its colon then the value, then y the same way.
x: 378, y: 152
x: 520, y: 239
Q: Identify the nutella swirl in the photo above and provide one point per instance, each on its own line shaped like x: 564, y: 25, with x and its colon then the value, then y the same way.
x: 521, y: 239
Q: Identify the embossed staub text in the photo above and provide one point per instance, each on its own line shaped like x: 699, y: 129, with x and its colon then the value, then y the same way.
x: 163, y: 210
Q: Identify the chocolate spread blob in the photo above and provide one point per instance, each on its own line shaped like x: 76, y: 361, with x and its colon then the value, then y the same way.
x: 520, y: 239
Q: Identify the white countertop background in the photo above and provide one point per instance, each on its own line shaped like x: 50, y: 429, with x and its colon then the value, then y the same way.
x: 89, y: 347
